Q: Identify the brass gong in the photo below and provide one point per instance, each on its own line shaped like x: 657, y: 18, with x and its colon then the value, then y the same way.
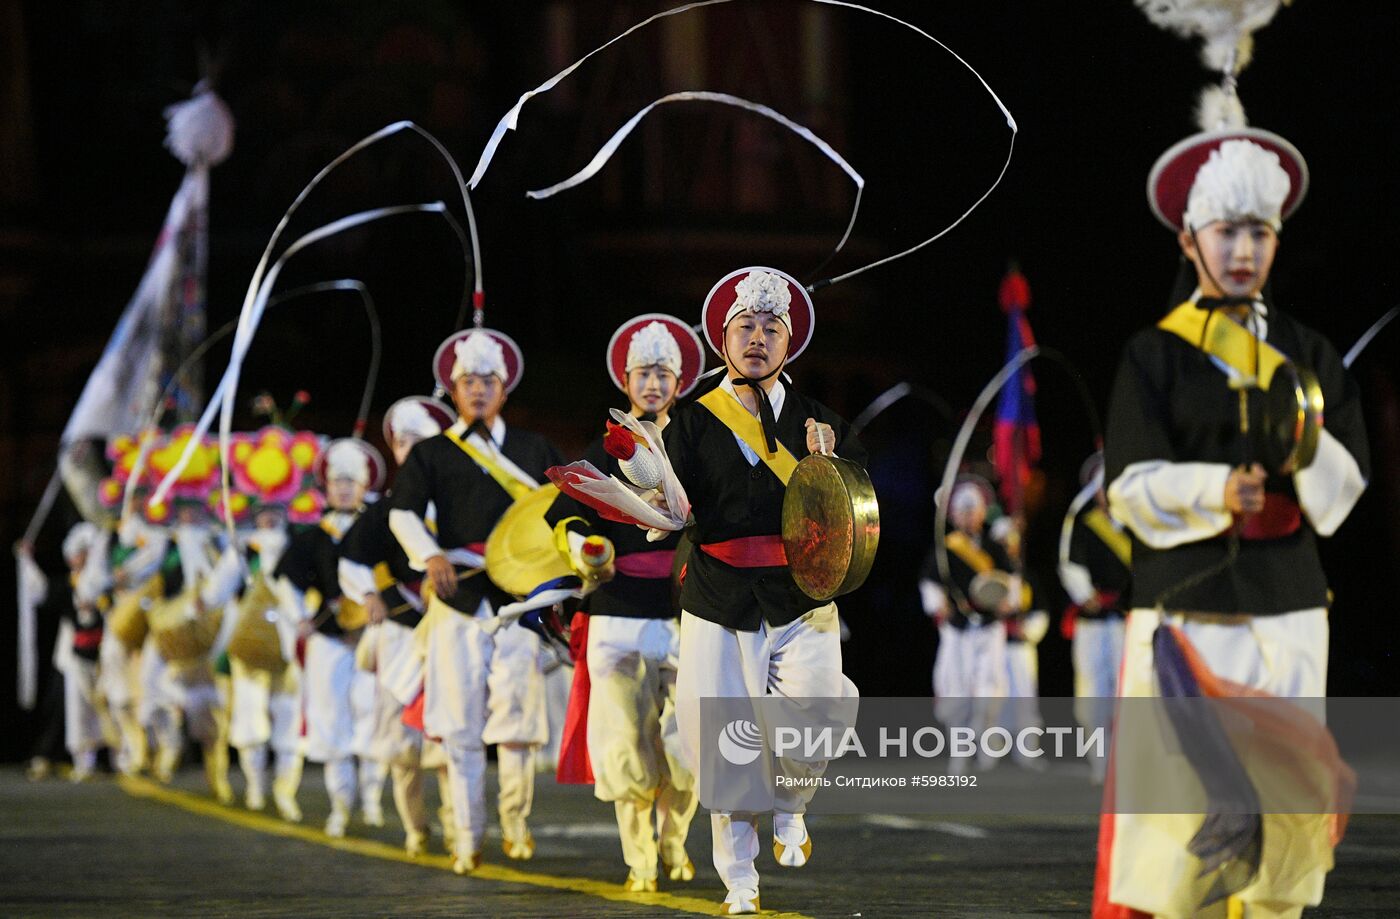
x: 1292, y: 419
x: 831, y: 526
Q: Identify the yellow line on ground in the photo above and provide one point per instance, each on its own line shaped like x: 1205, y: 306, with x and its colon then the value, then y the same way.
x: 205, y: 807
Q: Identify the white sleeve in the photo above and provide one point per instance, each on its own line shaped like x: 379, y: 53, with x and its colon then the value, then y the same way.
x: 1329, y: 488
x: 418, y: 544
x: 223, y: 581
x: 934, y: 597
x: 356, y: 580
x: 290, y: 601
x: 1170, y: 504
x: 33, y: 582
x: 1077, y: 582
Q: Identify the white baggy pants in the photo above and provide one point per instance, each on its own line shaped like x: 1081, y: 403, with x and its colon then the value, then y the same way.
x: 799, y: 660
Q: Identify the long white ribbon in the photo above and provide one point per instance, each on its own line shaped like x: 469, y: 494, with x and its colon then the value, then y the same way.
x: 223, y: 397
x: 608, y: 149
x: 955, y: 457
x: 511, y: 119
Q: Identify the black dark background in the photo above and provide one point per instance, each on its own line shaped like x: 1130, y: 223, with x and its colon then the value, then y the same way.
x: 1096, y: 91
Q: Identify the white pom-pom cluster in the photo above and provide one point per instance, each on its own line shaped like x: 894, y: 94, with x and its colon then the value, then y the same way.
x: 1227, y: 26
x: 654, y: 344
x: 643, y: 469
x: 199, y: 130
x: 479, y: 353
x: 1240, y: 181
x: 762, y: 292
x: 345, y: 460
x: 410, y: 418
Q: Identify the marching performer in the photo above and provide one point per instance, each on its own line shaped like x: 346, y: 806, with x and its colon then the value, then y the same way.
x: 394, y: 610
x: 970, y: 672
x: 1095, y: 570
x: 350, y: 469
x: 1024, y: 633
x: 746, y: 629
x: 272, y: 472
x: 85, y: 549
x: 1226, y: 545
x: 478, y: 689
x: 628, y: 665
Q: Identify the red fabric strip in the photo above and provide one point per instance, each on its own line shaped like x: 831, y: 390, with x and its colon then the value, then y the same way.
x: 749, y: 551
x: 575, y: 767
x: 1280, y: 517
x: 651, y: 565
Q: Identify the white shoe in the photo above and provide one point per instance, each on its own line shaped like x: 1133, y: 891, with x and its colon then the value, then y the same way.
x: 792, y: 845
x: 373, y: 813
x: 635, y: 883
x: 741, y: 902
x: 287, y: 806
x: 254, y: 799
x: 466, y: 862
x: 415, y: 843
x: 684, y: 871
x: 81, y: 774
x: 519, y: 849
x: 337, y: 821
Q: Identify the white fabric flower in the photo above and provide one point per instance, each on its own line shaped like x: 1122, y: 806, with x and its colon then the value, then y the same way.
x: 479, y: 353
x: 1240, y: 181
x: 654, y: 344
x: 412, y: 419
x: 345, y: 460
x: 762, y: 292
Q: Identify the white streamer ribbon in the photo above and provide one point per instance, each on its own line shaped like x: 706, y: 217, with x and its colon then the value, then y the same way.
x: 511, y: 119
x: 223, y: 397
x: 608, y: 149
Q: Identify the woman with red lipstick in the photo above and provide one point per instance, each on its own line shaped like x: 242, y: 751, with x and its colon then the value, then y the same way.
x: 625, y: 681
x: 1223, y: 549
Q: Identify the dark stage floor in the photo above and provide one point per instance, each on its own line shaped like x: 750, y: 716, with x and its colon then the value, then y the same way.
x: 135, y: 849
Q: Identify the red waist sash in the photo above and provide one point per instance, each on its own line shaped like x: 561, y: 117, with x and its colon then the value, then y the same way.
x: 653, y: 565
x: 1280, y: 517
x: 748, y: 551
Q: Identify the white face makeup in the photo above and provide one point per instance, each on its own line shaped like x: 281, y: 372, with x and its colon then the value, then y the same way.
x: 1232, y: 258
x: 651, y: 389
x: 755, y: 344
x: 478, y: 396
x: 344, y: 494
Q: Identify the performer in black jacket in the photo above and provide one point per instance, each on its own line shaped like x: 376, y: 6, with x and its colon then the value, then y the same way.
x: 624, y: 691
x: 970, y: 677
x: 352, y: 467
x: 1096, y: 572
x: 747, y: 630
x: 1226, y: 546
x: 369, y: 555
x: 471, y: 474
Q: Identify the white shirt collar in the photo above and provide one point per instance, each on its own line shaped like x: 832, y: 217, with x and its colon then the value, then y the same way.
x: 498, y: 430
x: 776, y: 396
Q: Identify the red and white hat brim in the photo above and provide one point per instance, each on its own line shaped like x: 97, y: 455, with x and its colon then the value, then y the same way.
x: 1172, y: 176
x: 375, y: 460
x: 692, y: 351
x: 446, y: 356
x: 436, y: 410
x: 722, y: 296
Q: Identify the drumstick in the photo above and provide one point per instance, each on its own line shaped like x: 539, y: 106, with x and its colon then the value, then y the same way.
x: 406, y: 606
